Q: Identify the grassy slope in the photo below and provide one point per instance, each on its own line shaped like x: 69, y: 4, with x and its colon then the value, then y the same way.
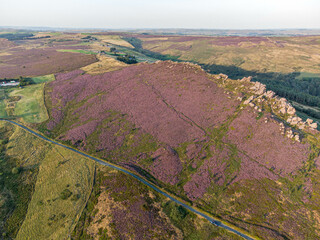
x: 48, y: 171
x: 113, y: 39
x: 105, y: 64
x: 295, y: 55
x: 43, y: 79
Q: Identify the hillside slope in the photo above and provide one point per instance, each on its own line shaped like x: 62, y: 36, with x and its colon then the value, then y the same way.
x: 225, y: 146
x: 44, y: 188
x: 261, y: 54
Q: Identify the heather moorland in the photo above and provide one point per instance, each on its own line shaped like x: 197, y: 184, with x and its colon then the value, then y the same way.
x: 230, y: 148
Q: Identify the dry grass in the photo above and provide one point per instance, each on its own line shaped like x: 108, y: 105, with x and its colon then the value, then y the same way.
x: 294, y: 54
x: 49, y: 216
x: 105, y: 64
x: 5, y: 54
x: 113, y: 39
x: 103, y: 217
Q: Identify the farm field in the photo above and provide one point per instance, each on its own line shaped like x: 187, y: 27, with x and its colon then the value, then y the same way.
x: 27, y: 102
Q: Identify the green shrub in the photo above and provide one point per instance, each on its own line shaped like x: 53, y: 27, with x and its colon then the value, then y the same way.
x: 15, y: 170
x: 75, y: 197
x: 65, y: 194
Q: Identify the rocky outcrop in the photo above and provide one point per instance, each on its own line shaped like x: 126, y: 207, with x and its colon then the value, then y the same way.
x: 280, y: 106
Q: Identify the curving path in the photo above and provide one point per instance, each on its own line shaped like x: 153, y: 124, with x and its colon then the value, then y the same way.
x: 210, y: 219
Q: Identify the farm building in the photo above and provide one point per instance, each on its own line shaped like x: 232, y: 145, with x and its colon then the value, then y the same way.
x: 11, y: 83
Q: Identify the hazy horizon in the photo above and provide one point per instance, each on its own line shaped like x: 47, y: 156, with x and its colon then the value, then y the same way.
x: 173, y: 14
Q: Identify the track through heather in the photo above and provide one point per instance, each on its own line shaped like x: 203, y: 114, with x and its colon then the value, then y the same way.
x: 105, y: 163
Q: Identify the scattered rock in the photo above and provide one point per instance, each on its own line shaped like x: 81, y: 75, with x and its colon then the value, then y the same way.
x: 309, y: 121
x: 223, y: 76
x: 248, y: 100
x: 289, y: 133
x: 313, y: 125
x: 246, y: 79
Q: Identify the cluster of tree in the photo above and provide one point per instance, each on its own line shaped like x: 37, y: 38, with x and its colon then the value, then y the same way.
x: 34, y: 38
x: 310, y: 112
x: 293, y: 90
x: 24, y: 81
x: 16, y: 36
x: 129, y: 59
x: 90, y: 38
x: 113, y: 50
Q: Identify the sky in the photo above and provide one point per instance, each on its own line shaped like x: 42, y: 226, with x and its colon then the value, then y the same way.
x: 203, y: 14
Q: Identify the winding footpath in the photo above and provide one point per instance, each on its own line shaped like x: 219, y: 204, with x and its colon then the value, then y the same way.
x: 210, y: 219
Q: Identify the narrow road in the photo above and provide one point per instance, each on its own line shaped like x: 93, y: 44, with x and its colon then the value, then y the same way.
x: 210, y: 219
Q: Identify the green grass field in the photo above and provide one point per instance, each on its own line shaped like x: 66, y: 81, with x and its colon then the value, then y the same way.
x: 62, y: 184
x: 43, y: 79
x: 30, y: 107
x: 76, y: 51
